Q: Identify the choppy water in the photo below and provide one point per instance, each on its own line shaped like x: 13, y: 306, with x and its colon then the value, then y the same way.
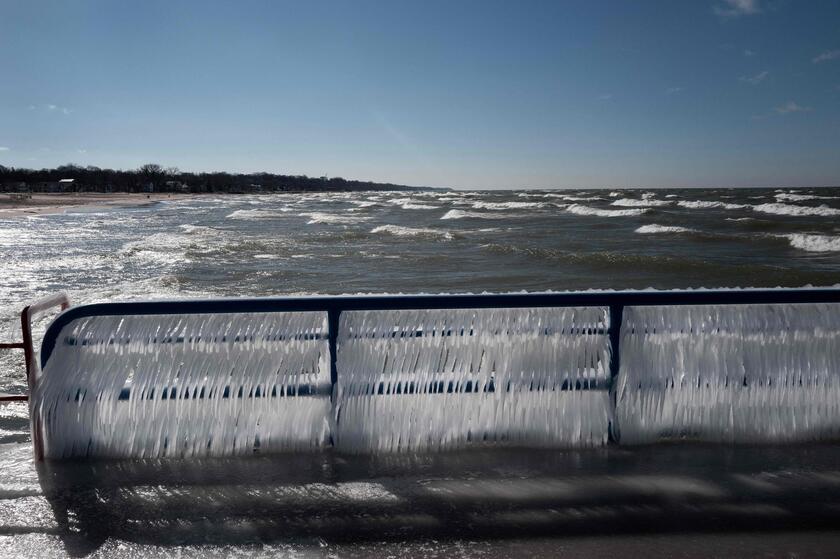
x: 396, y: 242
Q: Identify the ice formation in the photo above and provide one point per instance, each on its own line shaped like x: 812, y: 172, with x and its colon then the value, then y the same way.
x: 437, y: 379
x: 187, y: 385
x: 730, y: 373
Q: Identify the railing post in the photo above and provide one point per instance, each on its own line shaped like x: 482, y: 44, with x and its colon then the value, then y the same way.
x: 333, y: 315
x: 616, y: 315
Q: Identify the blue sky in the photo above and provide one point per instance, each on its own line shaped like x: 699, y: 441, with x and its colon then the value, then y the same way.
x: 467, y: 94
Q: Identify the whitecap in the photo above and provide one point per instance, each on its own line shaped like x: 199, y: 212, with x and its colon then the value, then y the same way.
x: 791, y: 197
x: 401, y: 231
x: 461, y: 214
x: 418, y: 207
x: 814, y: 243
x: 654, y: 228
x: 706, y: 204
x: 257, y: 214
x: 586, y: 210
x: 506, y: 205
x: 411, y: 204
x: 332, y: 219
x: 633, y: 203
x: 575, y: 198
x: 793, y: 210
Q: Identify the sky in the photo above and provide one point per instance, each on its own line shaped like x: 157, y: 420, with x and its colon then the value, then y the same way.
x: 465, y: 94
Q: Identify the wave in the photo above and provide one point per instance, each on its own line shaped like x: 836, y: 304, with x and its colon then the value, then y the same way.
x: 411, y: 204
x: 586, y: 210
x: 507, y: 205
x: 570, y: 198
x: 793, y: 210
x: 706, y: 204
x: 418, y: 207
x: 332, y: 219
x: 791, y: 197
x: 461, y: 214
x: 168, y: 248
x: 633, y: 203
x: 814, y: 243
x: 653, y: 228
x: 257, y: 214
x: 401, y: 231
x: 615, y: 194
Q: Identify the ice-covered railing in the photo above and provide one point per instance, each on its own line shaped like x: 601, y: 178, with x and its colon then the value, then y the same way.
x: 434, y: 379
x: 186, y: 385
x: 735, y: 373
x: 402, y: 373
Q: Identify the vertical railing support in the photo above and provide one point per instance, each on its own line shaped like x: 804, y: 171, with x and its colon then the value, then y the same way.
x: 33, y: 370
x: 616, y: 316
x: 333, y: 315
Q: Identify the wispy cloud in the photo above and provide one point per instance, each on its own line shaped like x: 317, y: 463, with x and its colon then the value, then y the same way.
x: 756, y: 79
x: 791, y: 107
x: 673, y: 90
x: 736, y: 8
x: 3, y: 148
x: 826, y: 56
x: 54, y: 108
x: 605, y: 97
x: 748, y: 52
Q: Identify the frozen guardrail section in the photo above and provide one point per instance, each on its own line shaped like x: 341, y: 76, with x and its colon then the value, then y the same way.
x: 185, y: 385
x: 425, y: 372
x: 735, y: 373
x: 442, y: 378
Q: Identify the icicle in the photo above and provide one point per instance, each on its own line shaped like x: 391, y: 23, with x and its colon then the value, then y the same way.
x: 187, y: 385
x: 736, y: 373
x: 437, y: 379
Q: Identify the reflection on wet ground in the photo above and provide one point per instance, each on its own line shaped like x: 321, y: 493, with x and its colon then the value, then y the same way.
x: 484, y: 499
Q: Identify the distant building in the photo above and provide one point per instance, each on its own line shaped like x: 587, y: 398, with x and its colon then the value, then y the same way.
x: 67, y: 185
x: 177, y: 186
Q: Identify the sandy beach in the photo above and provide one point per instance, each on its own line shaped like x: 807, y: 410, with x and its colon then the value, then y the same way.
x: 43, y: 204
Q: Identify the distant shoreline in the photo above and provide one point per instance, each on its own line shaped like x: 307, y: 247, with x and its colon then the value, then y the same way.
x: 49, y: 203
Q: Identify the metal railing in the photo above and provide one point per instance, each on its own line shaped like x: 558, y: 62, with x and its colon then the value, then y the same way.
x: 27, y: 315
x: 333, y: 306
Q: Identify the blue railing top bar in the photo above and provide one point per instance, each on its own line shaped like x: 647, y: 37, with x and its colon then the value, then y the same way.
x: 334, y: 305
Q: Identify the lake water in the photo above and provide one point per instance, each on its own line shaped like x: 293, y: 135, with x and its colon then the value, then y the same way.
x: 373, y: 242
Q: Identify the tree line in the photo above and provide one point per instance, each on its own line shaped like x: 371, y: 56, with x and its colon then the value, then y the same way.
x: 156, y: 178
